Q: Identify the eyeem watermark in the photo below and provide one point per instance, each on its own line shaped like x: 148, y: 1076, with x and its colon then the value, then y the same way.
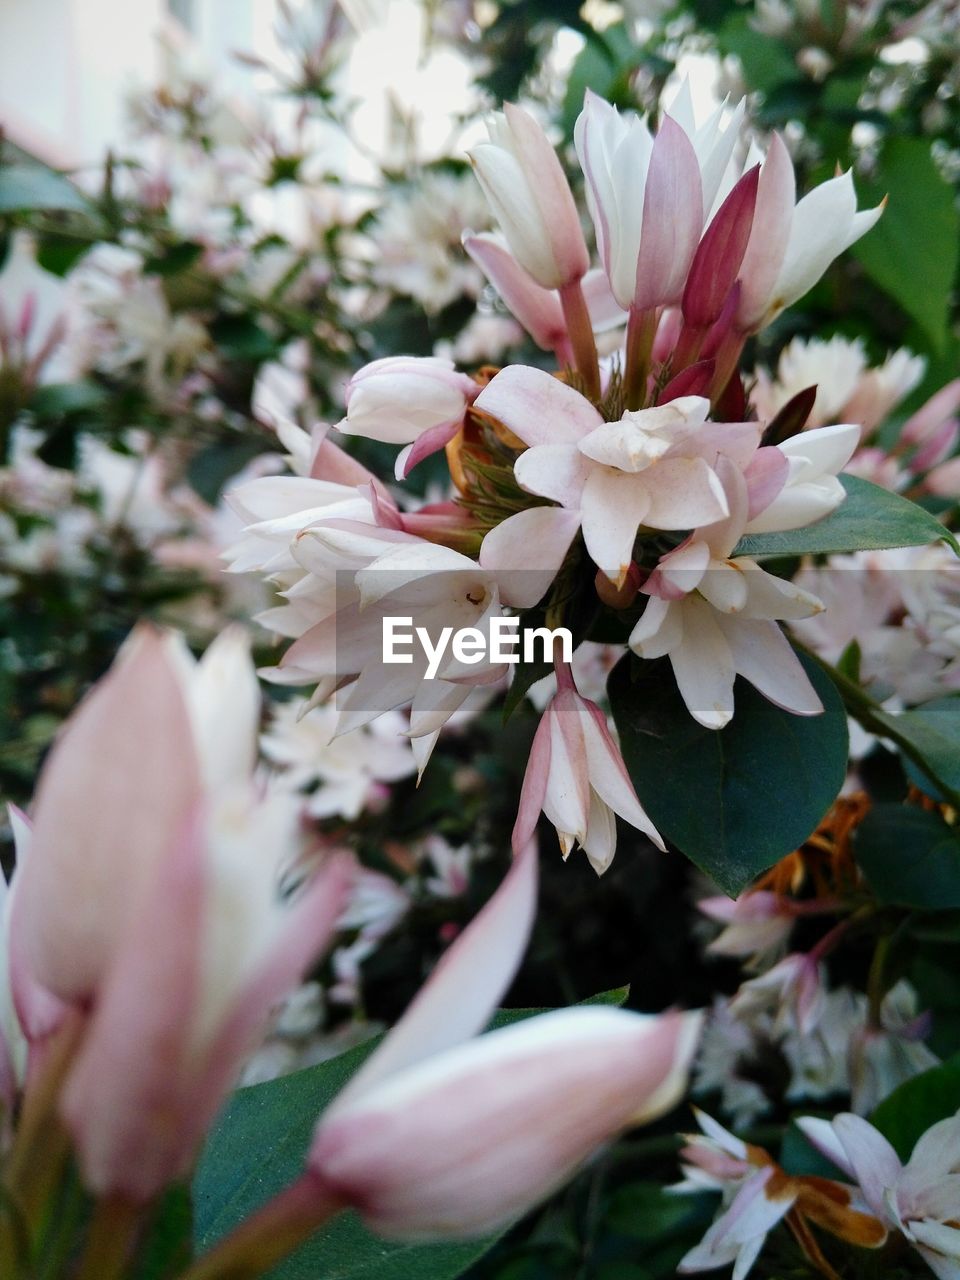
x: 470, y: 645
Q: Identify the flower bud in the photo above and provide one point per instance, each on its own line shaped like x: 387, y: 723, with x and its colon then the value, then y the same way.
x: 531, y: 199
x: 469, y: 1141
x: 397, y: 399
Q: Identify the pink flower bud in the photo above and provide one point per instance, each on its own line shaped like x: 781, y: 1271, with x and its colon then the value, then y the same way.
x: 943, y: 404
x: 399, y: 398
x: 937, y: 447
x: 717, y: 261
x: 467, y: 1142
x: 672, y: 219
x: 525, y: 185
x: 944, y: 480
x: 537, y: 309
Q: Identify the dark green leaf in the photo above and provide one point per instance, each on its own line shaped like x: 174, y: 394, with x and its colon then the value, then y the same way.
x: 912, y: 251
x: 799, y: 1157
x: 241, y: 338
x: 64, y: 399
x: 934, y: 729
x: 213, y: 467
x: 647, y: 1211
x: 258, y: 1147
x: 738, y: 799
x: 601, y: 65
x: 24, y: 187
x: 869, y: 518
x: 166, y: 1250
x: 767, y: 63
x: 60, y: 254
x: 919, y: 1103
x: 910, y: 857
x: 177, y: 257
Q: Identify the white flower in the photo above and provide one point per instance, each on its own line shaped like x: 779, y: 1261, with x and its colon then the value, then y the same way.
x: 715, y: 617
x: 351, y: 770
x: 812, y: 489
x: 529, y: 195
x: 920, y: 1199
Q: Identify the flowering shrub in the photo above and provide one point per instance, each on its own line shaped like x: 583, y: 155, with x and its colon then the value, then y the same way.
x: 679, y: 384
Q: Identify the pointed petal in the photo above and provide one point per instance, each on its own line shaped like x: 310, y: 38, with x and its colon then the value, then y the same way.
x: 470, y: 1140
x: 466, y: 985
x: 608, y: 773
x: 763, y: 656
x: 612, y: 506
x: 703, y: 665
x: 672, y: 218
x: 773, y: 216
x: 534, y: 787
x: 536, y: 407
x: 526, y: 550
x: 659, y: 629
x: 116, y: 786
x: 536, y: 308
x: 875, y: 1164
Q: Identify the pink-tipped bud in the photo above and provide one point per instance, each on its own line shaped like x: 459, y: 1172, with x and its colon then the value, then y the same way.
x: 937, y: 448
x: 399, y: 398
x: 537, y: 309
x: 522, y: 1108
x: 943, y: 404
x: 720, y: 254
x: 531, y: 199
x: 944, y: 480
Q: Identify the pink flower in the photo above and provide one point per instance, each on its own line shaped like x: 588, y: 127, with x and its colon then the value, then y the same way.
x: 716, y: 617
x: 653, y: 467
x: 791, y: 245
x: 151, y: 902
x: 576, y: 775
x: 920, y: 1199
x: 757, y: 926
x: 413, y: 400
x: 441, y: 1135
x: 531, y: 199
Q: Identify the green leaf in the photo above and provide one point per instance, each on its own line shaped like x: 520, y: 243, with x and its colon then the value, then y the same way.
x: 800, y: 1158
x: 868, y: 519
x: 767, y: 64
x: 912, y: 251
x: 603, y: 64
x: 213, y: 467
x: 736, y: 800
x: 60, y: 254
x: 24, y: 187
x: 934, y: 730
x: 165, y: 1250
x: 64, y: 399
x: 258, y: 1147
x: 647, y: 1211
x: 911, y: 1109
x: 910, y: 857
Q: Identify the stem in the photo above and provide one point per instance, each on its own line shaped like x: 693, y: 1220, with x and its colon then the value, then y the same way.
x: 273, y: 1232
x: 876, y: 988
x: 41, y: 1146
x: 641, y: 331
x: 110, y: 1240
x: 580, y: 329
x: 687, y: 349
x: 725, y: 362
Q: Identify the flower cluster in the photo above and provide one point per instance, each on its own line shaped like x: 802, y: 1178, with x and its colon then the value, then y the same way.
x: 603, y: 487
x: 164, y: 900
